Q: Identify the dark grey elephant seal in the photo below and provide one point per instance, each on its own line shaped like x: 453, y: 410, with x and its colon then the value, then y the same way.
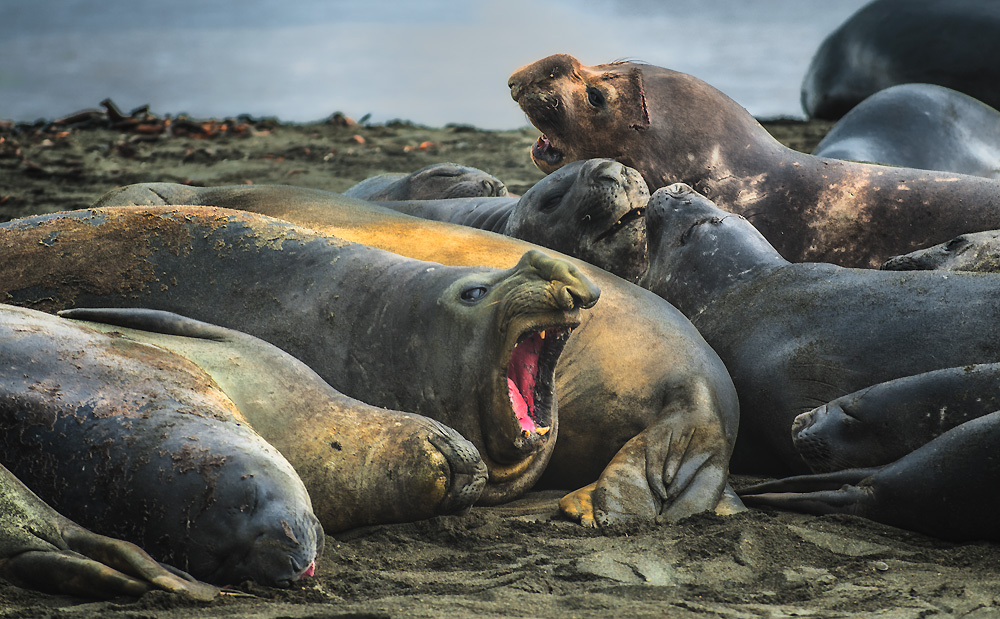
x: 942, y: 488
x: 976, y: 251
x: 635, y: 382
x: 672, y: 127
x: 591, y: 210
x: 919, y: 126
x: 361, y: 464
x: 796, y: 336
x: 953, y: 43
x: 437, y: 181
x: 43, y: 549
x: 137, y: 443
x: 473, y: 348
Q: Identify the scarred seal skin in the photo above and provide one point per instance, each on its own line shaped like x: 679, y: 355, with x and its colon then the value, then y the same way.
x: 591, y: 210
x: 638, y: 386
x: 361, y: 464
x: 919, y: 126
x: 953, y: 43
x: 437, y: 181
x: 672, y: 127
x: 43, y: 549
x: 474, y: 348
x: 139, y: 444
x: 796, y: 336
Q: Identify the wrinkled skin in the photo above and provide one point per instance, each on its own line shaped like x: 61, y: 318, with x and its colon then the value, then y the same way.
x: 977, y: 251
x: 42, y: 549
x: 796, y: 336
x: 634, y: 369
x: 438, y: 181
x: 591, y: 210
x: 672, y: 127
x: 361, y: 464
x: 919, y: 126
x: 951, y: 43
x: 138, y: 443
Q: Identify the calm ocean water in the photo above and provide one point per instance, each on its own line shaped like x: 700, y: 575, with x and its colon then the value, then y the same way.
x: 432, y: 62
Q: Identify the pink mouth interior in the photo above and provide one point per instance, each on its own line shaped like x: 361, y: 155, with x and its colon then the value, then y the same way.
x: 309, y: 571
x: 522, y: 372
x: 542, y: 144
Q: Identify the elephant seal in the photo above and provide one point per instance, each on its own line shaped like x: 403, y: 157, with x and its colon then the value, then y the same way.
x: 882, y: 423
x: 361, y: 464
x: 672, y: 127
x: 919, y: 126
x: 635, y: 381
x: 937, y: 489
x: 591, y: 210
x: 953, y: 43
x: 473, y: 348
x: 137, y: 443
x: 976, y: 251
x: 796, y: 336
x: 437, y: 181
x: 43, y: 549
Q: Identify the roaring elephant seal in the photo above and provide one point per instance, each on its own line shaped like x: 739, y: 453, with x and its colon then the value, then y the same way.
x: 437, y: 181
x: 672, y: 127
x: 361, y: 464
x: 43, y: 549
x: 639, y: 389
x: 919, y: 126
x: 473, y: 348
x: 796, y: 336
x: 976, y: 251
x: 882, y: 423
x: 942, y: 488
x: 591, y: 210
x: 953, y: 43
x: 137, y: 443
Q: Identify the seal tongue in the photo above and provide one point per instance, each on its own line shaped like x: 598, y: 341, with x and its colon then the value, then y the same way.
x: 522, y: 373
x: 309, y: 571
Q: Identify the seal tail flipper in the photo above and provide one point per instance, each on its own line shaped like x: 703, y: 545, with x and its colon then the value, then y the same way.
x: 156, y: 321
x: 840, y: 492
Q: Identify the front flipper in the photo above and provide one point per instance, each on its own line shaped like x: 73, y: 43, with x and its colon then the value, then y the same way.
x: 671, y: 470
x: 44, y: 550
x: 156, y: 321
x: 839, y: 492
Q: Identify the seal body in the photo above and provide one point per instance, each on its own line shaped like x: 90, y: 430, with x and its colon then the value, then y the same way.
x: 438, y: 181
x: 919, y: 126
x: 137, y: 443
x: 672, y: 127
x: 591, y: 210
x: 635, y: 381
x: 796, y: 336
x: 361, y: 464
x: 467, y: 347
x: 952, y: 43
x: 977, y: 251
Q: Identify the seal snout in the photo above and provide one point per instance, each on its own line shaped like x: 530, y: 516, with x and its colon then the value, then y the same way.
x: 570, y: 288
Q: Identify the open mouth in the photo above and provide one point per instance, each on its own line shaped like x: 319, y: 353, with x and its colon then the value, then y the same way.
x: 530, y: 373
x: 544, y: 151
x: 635, y: 215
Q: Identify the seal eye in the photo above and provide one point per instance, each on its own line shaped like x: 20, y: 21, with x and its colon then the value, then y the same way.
x: 955, y: 243
x: 474, y: 293
x: 595, y: 97
x: 551, y: 202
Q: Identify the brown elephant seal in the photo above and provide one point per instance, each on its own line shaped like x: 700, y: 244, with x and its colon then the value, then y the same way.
x: 919, y: 126
x: 673, y: 127
x: 139, y: 444
x: 361, y: 464
x: 591, y: 210
x: 941, y: 488
x: 796, y: 336
x: 976, y: 251
x: 437, y: 181
x: 953, y: 43
x: 473, y: 348
x: 882, y: 423
x: 43, y: 549
x: 635, y: 381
